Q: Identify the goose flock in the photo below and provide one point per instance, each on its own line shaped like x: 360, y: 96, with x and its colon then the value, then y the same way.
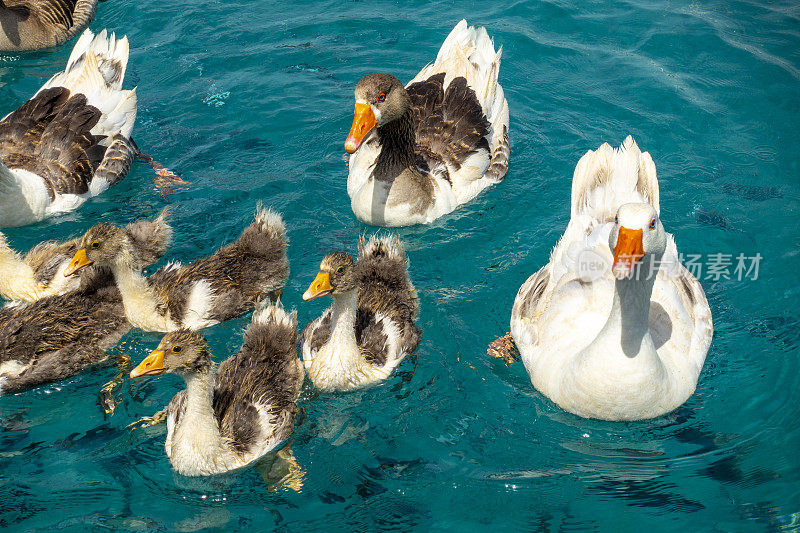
x: 613, y: 327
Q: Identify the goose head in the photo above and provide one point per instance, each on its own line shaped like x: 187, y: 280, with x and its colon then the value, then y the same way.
x: 336, y: 276
x: 380, y: 99
x: 182, y: 352
x: 637, y: 233
x: 104, y: 245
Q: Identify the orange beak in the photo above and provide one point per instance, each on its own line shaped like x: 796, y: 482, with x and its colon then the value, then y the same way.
x: 363, y: 122
x: 79, y: 261
x: 153, y: 365
x: 628, y: 251
x: 319, y: 287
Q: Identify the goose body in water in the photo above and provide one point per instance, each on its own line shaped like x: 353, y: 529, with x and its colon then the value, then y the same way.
x: 229, y: 418
x: 614, y: 327
x: 370, y: 327
x: 72, y: 140
x: 57, y: 336
x: 207, y: 291
x: 420, y: 151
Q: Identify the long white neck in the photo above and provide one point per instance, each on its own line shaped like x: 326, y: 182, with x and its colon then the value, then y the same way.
x: 195, y: 445
x: 140, y: 300
x: 343, y: 320
x: 199, y: 419
x: 624, y: 342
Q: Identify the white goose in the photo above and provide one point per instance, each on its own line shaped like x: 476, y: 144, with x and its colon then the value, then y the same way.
x: 71, y: 141
x: 422, y: 150
x: 621, y: 343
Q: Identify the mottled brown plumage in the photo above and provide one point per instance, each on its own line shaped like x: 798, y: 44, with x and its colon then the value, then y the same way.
x: 208, y: 290
x: 262, y: 380
x: 34, y: 24
x: 240, y: 274
x: 384, y: 289
x: 50, y: 136
x: 56, y: 337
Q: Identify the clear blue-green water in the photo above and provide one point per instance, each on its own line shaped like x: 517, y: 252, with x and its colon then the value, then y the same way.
x: 252, y: 99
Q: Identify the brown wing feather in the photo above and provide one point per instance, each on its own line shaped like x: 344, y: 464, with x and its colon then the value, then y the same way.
x: 449, y: 125
x: 50, y: 135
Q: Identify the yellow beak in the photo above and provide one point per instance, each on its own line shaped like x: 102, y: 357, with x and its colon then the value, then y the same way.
x: 319, y: 287
x: 79, y: 261
x: 153, y: 365
x: 363, y: 122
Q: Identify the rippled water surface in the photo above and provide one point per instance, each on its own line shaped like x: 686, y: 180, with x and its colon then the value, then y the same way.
x: 251, y: 100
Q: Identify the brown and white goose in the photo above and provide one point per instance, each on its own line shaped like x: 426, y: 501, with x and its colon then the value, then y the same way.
x: 40, y: 272
x: 72, y: 140
x: 209, y: 290
x: 370, y: 327
x: 230, y: 418
x: 34, y: 24
x: 57, y: 336
x: 420, y: 151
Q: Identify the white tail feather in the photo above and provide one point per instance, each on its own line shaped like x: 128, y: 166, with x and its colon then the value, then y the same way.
x: 608, y: 178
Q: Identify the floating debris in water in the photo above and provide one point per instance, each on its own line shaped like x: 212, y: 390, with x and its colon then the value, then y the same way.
x: 216, y: 99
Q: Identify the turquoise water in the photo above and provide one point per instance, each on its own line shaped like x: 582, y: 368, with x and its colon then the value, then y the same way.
x: 252, y: 99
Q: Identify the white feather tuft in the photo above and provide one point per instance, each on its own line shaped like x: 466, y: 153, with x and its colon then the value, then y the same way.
x: 275, y: 313
x: 389, y: 243
x: 607, y: 178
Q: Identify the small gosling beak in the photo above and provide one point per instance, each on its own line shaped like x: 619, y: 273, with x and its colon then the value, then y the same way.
x: 627, y: 253
x: 153, y: 365
x: 79, y: 261
x: 319, y: 287
x: 363, y: 122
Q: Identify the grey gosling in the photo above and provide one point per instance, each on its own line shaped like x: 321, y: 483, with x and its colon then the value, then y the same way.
x: 230, y: 418
x: 370, y: 327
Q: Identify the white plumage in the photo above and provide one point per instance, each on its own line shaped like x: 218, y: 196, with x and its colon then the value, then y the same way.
x: 600, y: 347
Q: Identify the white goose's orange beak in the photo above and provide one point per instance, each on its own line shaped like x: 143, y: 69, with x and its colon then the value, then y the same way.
x: 363, y: 122
x: 79, y: 261
x: 628, y: 251
x: 153, y: 365
x: 319, y: 287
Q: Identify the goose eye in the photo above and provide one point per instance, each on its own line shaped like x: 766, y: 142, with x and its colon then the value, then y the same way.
x: 95, y: 245
x: 653, y: 224
x: 176, y: 349
x: 616, y: 219
x: 382, y: 97
x: 340, y: 270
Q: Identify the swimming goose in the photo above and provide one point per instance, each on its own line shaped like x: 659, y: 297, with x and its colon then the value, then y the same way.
x: 71, y: 141
x: 40, y: 273
x: 370, y: 327
x: 34, y: 24
x: 57, y: 336
x: 230, y: 418
x: 420, y: 151
x: 207, y: 291
x: 614, y: 327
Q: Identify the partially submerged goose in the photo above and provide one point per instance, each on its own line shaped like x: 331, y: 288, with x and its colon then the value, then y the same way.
x: 614, y: 326
x: 422, y: 150
x: 72, y: 140
x: 230, y: 418
x: 34, y: 24
x: 209, y: 290
x: 57, y: 336
x: 370, y: 327
x: 40, y: 272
